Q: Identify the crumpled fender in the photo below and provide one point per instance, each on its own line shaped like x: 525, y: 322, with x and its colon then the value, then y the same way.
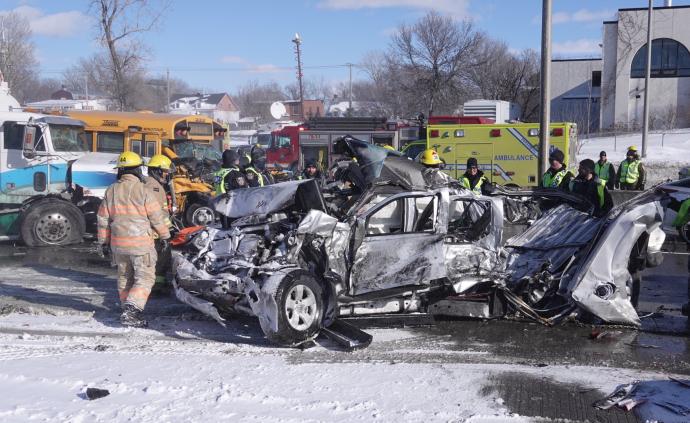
x: 600, y: 286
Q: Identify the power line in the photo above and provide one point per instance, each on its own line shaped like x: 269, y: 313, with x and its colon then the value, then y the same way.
x: 255, y: 69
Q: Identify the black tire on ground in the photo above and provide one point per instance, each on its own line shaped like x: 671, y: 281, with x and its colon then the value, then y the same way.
x: 300, y: 302
x: 198, y: 214
x: 52, y: 222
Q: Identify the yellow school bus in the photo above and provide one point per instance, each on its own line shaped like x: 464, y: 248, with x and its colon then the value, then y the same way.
x: 145, y: 133
x: 506, y: 153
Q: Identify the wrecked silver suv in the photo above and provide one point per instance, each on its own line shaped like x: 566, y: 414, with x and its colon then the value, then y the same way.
x: 401, y: 238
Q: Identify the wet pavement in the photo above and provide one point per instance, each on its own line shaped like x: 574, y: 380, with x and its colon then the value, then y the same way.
x: 75, y: 280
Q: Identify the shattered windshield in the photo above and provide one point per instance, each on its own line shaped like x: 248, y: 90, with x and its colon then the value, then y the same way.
x: 197, y: 151
x: 68, y: 138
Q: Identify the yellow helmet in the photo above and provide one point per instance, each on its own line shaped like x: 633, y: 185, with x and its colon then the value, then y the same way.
x: 388, y: 147
x: 429, y: 157
x: 129, y: 159
x: 632, y: 148
x: 160, y: 161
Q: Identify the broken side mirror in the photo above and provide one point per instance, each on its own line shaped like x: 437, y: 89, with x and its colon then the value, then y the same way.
x: 28, y: 142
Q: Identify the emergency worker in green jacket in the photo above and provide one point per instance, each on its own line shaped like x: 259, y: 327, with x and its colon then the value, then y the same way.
x: 473, y: 179
x: 606, y: 171
x: 229, y: 176
x: 557, y: 176
x: 631, y: 174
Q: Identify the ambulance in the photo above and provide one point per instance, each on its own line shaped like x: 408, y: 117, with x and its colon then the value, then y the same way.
x: 507, y: 153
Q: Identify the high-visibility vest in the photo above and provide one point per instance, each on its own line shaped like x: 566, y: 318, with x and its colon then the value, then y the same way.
x: 477, y: 190
x: 630, y: 171
x: 601, y: 185
x: 554, y: 181
x: 603, y: 171
x: 219, y: 177
x: 259, y: 176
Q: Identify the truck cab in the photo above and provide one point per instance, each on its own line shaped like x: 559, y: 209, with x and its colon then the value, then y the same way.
x: 40, y: 192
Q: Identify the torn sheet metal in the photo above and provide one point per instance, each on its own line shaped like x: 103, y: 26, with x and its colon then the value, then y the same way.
x: 257, y: 201
x: 603, y: 284
x: 652, y: 400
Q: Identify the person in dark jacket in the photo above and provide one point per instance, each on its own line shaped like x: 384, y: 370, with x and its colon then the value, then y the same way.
x: 557, y: 176
x: 311, y: 170
x: 588, y: 185
x: 258, y: 157
x: 473, y: 179
x: 605, y: 170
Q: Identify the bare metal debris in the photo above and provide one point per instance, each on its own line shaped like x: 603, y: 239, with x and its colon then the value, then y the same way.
x: 390, y: 236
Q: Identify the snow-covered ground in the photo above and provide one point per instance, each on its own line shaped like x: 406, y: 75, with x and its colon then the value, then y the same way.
x: 152, y: 378
x: 666, y: 153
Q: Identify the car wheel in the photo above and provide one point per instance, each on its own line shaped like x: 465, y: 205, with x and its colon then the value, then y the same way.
x: 199, y: 215
x: 300, y: 302
x: 52, y: 222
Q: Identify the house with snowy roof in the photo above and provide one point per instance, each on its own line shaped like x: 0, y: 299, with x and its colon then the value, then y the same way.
x: 218, y: 106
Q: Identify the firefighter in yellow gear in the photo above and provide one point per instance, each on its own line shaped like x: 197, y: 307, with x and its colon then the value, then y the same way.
x: 158, y: 182
x: 128, y: 218
x: 631, y: 173
x: 430, y: 158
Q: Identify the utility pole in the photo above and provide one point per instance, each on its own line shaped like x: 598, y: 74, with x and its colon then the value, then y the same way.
x: 298, y: 42
x: 350, y: 104
x: 167, y: 90
x: 647, y: 73
x: 86, y: 87
x: 545, y: 89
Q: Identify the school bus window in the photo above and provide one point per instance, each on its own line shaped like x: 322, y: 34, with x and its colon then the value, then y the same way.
x: 88, y: 139
x: 200, y: 128
x: 150, y: 148
x: 135, y: 146
x: 109, y: 142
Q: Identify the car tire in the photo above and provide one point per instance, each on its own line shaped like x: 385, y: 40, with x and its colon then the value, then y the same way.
x: 197, y: 214
x: 52, y: 222
x: 300, y: 302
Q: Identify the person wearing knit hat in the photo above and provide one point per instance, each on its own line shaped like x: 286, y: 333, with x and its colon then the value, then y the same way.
x: 605, y: 170
x: 588, y: 185
x: 557, y: 176
x: 631, y: 173
x: 473, y: 179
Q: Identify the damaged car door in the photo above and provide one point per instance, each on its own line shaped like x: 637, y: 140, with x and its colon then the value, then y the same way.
x: 399, y: 243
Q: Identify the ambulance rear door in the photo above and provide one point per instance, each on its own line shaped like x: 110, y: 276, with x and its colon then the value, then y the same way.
x: 483, y: 152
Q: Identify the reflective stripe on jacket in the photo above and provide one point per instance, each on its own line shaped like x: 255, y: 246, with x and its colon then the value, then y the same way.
x: 128, y: 217
x: 219, y: 179
x: 630, y: 172
x: 554, y: 181
x: 477, y: 190
x: 259, y: 176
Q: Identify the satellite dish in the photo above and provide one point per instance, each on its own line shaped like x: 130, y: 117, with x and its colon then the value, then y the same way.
x: 278, y: 110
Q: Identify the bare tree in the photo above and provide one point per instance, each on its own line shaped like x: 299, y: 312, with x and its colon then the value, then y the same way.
x: 504, y: 75
x: 432, y: 56
x: 17, y: 61
x: 120, y: 25
x: 254, y: 99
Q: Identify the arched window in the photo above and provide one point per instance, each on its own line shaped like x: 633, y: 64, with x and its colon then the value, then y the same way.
x: 670, y: 59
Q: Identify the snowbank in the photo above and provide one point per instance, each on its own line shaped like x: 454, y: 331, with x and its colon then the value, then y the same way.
x: 666, y: 153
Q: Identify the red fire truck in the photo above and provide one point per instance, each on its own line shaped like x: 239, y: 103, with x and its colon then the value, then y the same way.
x: 292, y: 146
